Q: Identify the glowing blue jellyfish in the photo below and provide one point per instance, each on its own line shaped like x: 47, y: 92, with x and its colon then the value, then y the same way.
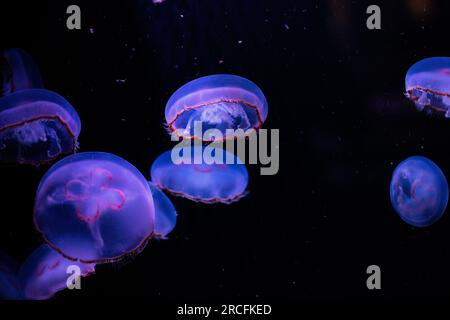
x: 37, y: 126
x: 165, y: 213
x: 18, y: 71
x: 94, y: 207
x: 45, y: 272
x: 219, y: 102
x: 9, y: 283
x: 196, y: 175
x: 428, y: 84
x: 419, y: 191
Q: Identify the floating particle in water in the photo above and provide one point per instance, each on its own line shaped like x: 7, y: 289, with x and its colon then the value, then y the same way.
x: 9, y: 282
x: 428, y: 85
x: 419, y: 191
x: 37, y: 126
x: 94, y: 207
x: 219, y: 102
x: 45, y: 272
x: 18, y: 71
x: 165, y: 213
x: 201, y: 180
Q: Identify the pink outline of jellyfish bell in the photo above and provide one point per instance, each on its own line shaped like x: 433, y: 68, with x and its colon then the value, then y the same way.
x: 37, y: 126
x: 205, y: 183
x: 427, y: 85
x: 94, y: 207
x: 221, y: 101
x: 44, y: 273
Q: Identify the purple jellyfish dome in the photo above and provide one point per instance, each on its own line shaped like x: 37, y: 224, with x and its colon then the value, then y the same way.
x: 37, y: 126
x: 192, y: 174
x: 165, y: 213
x: 428, y: 84
x: 217, y: 102
x: 94, y: 207
x: 9, y: 283
x: 419, y: 191
x: 45, y: 272
x: 18, y: 71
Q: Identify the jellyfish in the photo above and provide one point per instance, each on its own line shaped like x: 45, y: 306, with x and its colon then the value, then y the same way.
x: 18, y: 71
x: 198, y: 177
x: 428, y: 85
x: 165, y: 213
x: 230, y: 104
x: 37, y: 126
x: 94, y: 207
x: 9, y: 282
x: 45, y: 272
x: 419, y: 191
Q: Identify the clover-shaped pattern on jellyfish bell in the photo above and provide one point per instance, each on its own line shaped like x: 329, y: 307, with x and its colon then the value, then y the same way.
x: 93, y: 195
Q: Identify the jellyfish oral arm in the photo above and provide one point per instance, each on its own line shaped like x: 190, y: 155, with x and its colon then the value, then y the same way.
x: 421, y: 96
x: 220, y: 114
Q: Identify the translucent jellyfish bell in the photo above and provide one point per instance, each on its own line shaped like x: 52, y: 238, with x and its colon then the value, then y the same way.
x: 37, y: 126
x: 9, y: 282
x: 428, y: 84
x: 165, y: 213
x: 18, y: 71
x: 45, y: 272
x: 94, y: 207
x: 419, y: 191
x: 219, y: 102
x: 198, y: 180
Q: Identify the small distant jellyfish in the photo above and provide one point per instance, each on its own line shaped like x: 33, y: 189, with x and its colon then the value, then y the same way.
x: 18, y: 71
x: 37, y: 126
x: 94, y: 208
x: 419, y: 191
x: 10, y: 288
x: 218, y: 102
x: 428, y: 85
x: 165, y: 213
x: 198, y: 180
x: 46, y: 272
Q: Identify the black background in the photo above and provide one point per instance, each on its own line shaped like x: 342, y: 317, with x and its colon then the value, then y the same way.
x: 335, y: 91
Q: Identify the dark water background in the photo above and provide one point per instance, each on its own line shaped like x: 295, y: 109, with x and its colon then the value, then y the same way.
x: 335, y: 91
